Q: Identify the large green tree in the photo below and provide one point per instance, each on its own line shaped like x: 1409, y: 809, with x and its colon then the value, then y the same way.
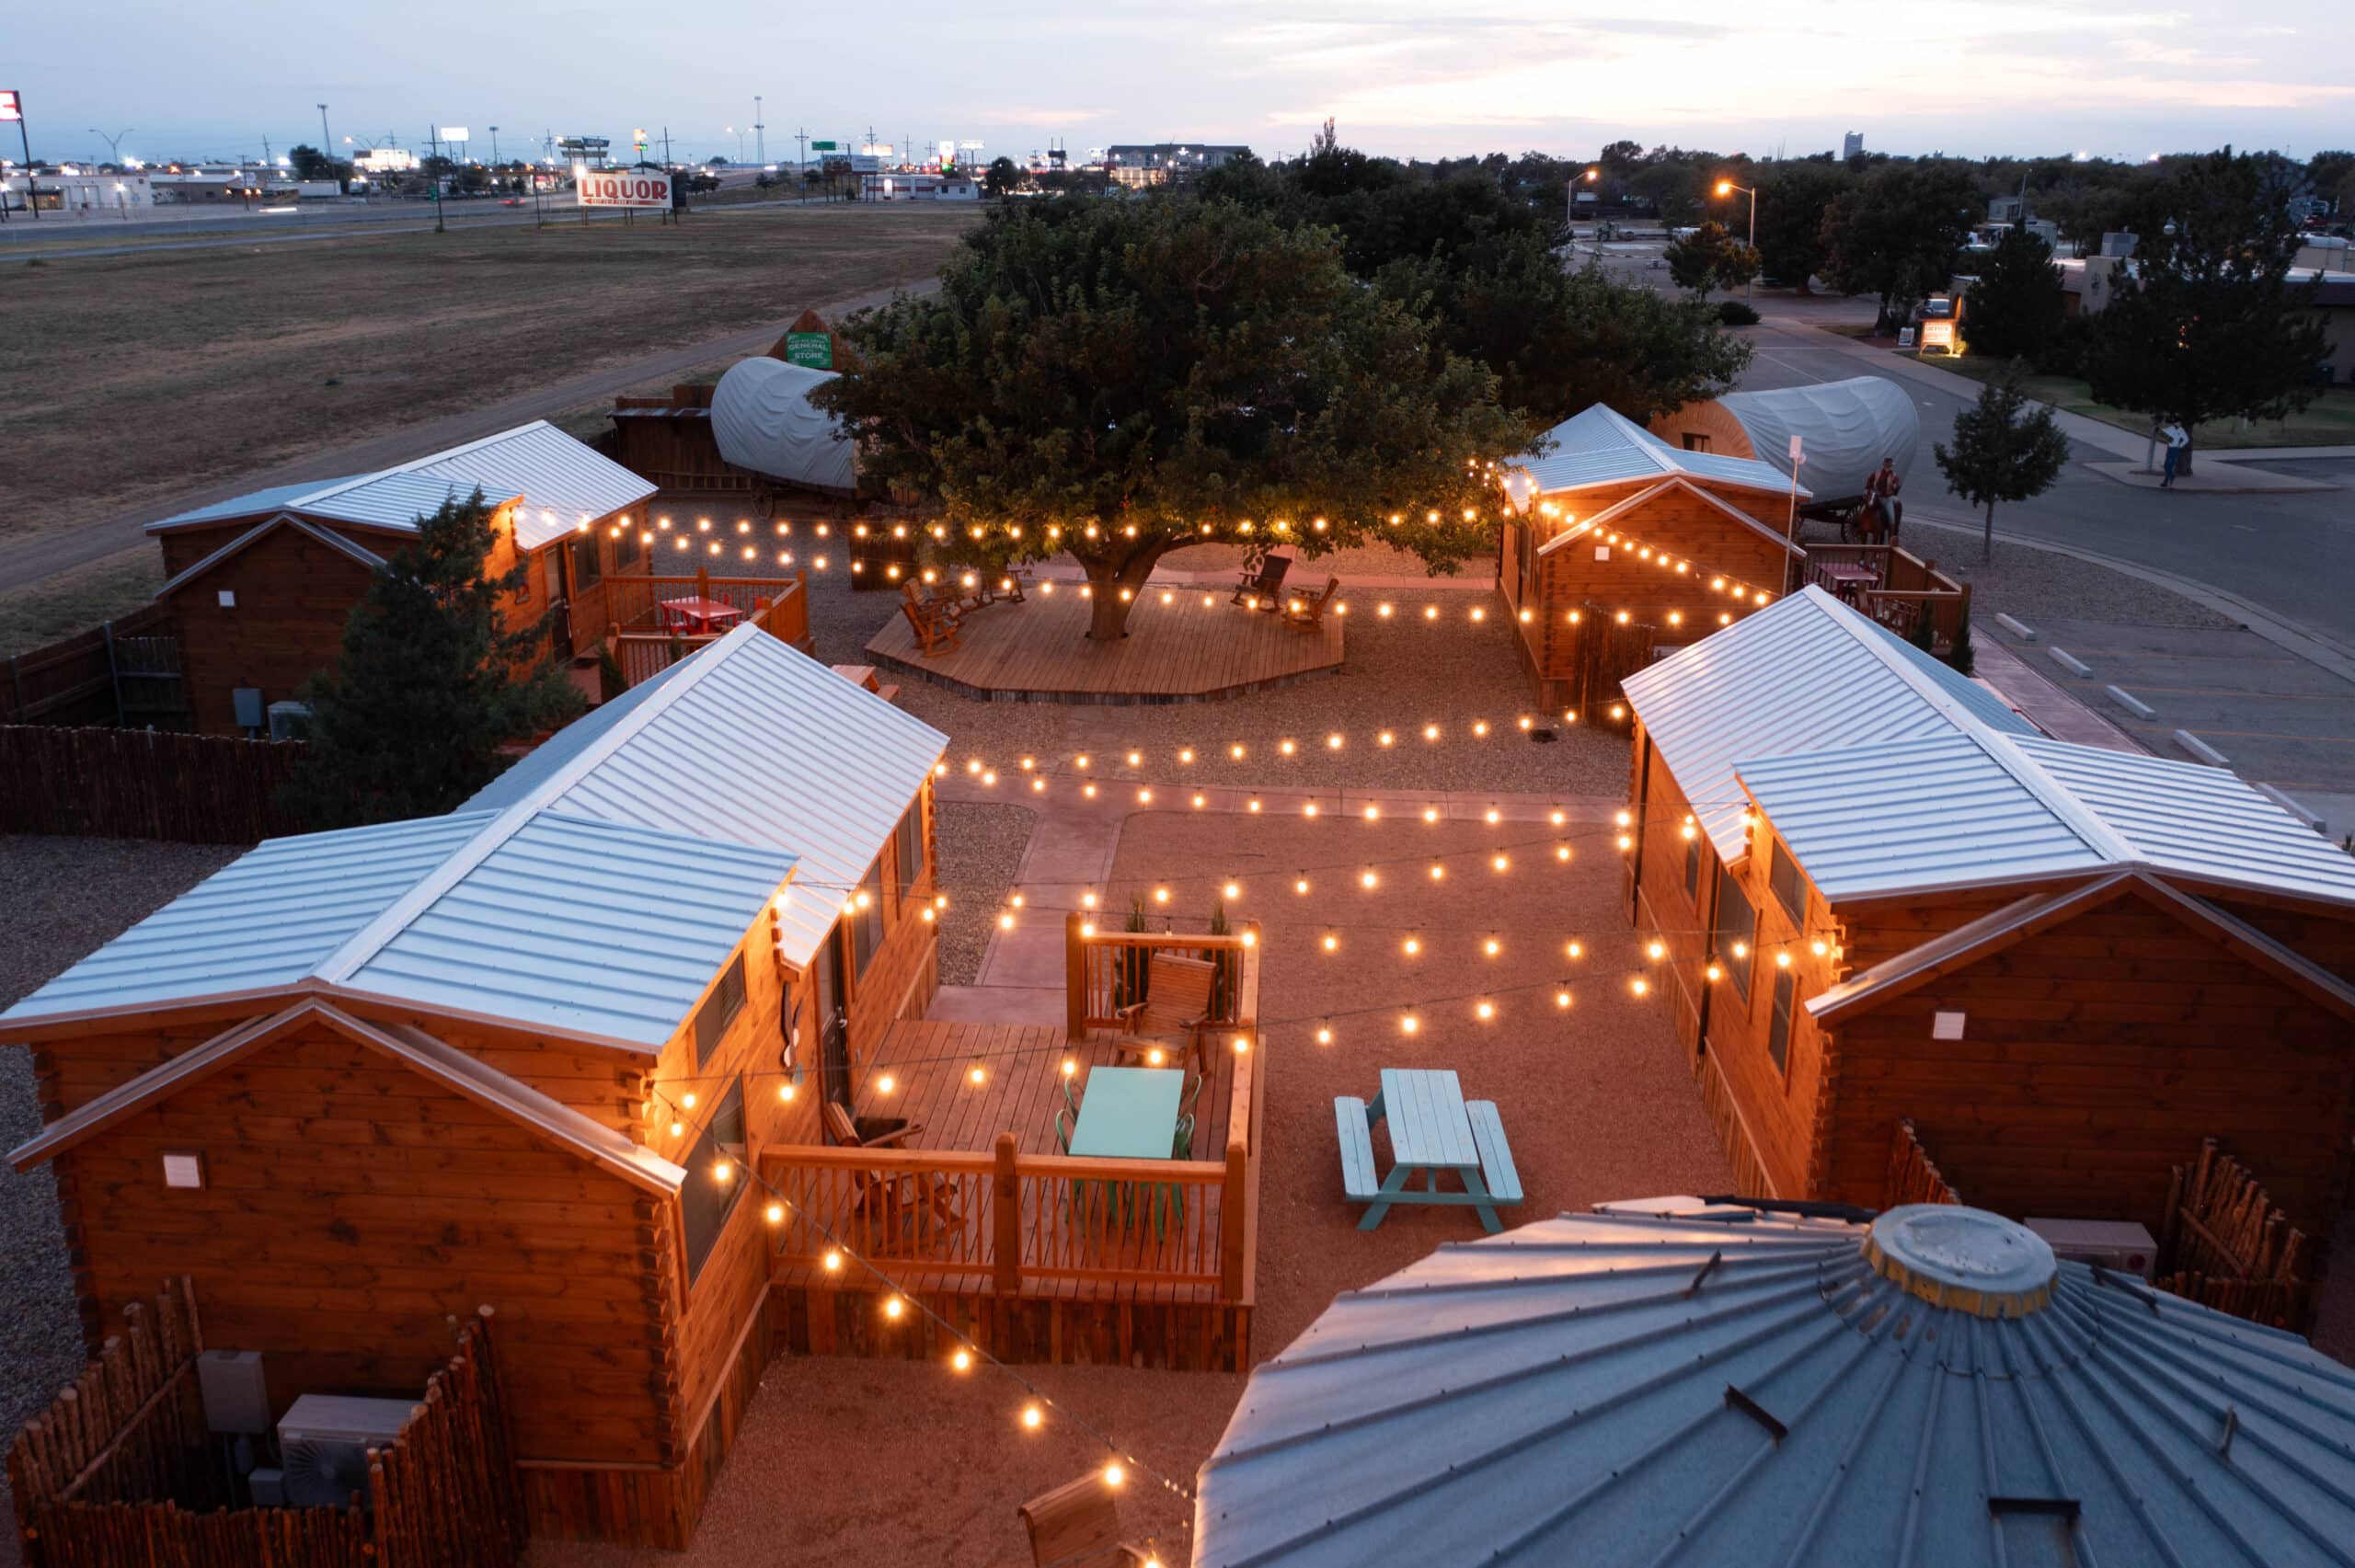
x: 2006, y: 448
x: 1114, y: 380
x: 2206, y: 324
x: 1895, y: 236
x: 2015, y: 308
x: 1709, y: 257
x: 1792, y: 199
x: 432, y: 682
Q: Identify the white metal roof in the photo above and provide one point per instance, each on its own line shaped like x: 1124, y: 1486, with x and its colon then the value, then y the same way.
x: 1805, y: 674
x: 1602, y: 447
x: 1750, y: 1391
x: 755, y: 743
x: 556, y: 483
x: 1582, y: 527
x: 597, y: 932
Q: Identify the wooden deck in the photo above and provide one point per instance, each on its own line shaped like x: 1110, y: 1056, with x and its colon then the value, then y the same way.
x: 1175, y: 652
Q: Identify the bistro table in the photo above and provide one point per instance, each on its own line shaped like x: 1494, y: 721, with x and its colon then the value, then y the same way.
x: 1430, y: 1132
x: 1845, y: 578
x: 698, y: 617
x: 1129, y: 1113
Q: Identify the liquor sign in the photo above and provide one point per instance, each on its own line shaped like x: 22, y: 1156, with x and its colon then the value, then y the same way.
x: 12, y: 107
x: 1937, y: 335
x: 622, y: 188
x: 812, y: 349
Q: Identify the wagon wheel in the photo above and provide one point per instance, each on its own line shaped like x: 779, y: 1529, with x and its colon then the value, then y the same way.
x: 764, y: 501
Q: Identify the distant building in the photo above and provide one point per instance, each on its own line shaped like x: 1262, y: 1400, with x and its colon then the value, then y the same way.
x: 73, y: 191
x: 1852, y: 145
x: 384, y: 160
x: 1161, y: 162
x: 879, y: 187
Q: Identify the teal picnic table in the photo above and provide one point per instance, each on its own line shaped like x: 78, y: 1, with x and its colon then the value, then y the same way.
x: 1128, y: 1112
x: 1433, y: 1129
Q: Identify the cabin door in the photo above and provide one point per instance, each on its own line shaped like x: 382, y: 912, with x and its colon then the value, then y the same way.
x: 834, y: 1027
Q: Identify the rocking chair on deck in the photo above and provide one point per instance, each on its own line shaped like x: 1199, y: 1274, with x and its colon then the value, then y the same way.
x: 1307, y: 607
x: 892, y: 1197
x: 1175, y: 1013
x: 936, y: 621
x: 1261, y: 589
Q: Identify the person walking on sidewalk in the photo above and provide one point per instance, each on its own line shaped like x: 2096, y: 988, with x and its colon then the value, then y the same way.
x: 2177, y: 438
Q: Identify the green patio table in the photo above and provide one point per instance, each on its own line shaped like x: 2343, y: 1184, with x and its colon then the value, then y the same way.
x: 1129, y: 1113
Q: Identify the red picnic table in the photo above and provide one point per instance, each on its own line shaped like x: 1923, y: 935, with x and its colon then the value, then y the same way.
x: 698, y: 617
x: 1847, y: 578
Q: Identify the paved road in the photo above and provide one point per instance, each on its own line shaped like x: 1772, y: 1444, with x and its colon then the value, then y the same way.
x: 2292, y: 555
x: 29, y: 559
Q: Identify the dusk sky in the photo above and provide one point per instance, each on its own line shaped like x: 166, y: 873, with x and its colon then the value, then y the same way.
x: 1964, y: 76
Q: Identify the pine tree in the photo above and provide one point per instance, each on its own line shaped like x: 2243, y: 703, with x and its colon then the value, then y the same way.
x: 430, y: 683
x: 2015, y: 309
x: 2004, y: 450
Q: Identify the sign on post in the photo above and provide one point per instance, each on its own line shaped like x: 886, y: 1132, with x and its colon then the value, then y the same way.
x: 11, y: 106
x: 1905, y: 338
x: 1799, y: 452
x: 813, y: 350
x: 622, y: 188
x: 822, y: 146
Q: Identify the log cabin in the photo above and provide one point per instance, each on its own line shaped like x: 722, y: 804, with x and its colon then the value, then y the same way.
x: 1883, y: 895
x: 1627, y: 547
x: 522, y: 1055
x: 259, y: 586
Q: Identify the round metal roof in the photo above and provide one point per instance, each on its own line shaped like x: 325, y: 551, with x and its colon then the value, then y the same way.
x: 1731, y: 1387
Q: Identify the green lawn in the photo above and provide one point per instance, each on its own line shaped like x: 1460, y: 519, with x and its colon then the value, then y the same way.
x: 2329, y: 420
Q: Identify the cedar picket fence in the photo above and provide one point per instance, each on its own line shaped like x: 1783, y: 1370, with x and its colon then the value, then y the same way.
x: 125, y: 672
x: 142, y: 783
x: 2225, y: 1245
x: 1914, y: 1176
x: 119, y: 1470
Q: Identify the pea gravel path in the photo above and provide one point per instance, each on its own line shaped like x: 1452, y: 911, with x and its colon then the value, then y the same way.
x: 63, y: 896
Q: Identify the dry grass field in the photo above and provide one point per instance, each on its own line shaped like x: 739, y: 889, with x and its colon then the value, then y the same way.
x: 130, y: 380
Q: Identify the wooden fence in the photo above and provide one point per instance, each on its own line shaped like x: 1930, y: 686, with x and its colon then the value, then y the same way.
x: 140, y: 783
x: 125, y: 672
x: 1914, y: 1176
x: 779, y: 606
x: 2225, y: 1245
x: 121, y: 1470
x: 1909, y: 589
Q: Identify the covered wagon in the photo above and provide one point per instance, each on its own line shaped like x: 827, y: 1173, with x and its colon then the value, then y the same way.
x: 1846, y: 429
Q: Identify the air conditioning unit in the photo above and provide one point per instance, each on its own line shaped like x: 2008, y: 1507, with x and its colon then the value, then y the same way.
x: 2119, y: 1245
x: 289, y: 721
x: 323, y: 1443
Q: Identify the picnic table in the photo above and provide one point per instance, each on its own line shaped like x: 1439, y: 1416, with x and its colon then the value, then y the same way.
x: 1433, y: 1128
x: 698, y: 617
x: 1847, y: 578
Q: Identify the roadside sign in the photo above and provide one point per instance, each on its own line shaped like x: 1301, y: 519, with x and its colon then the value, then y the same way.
x: 1799, y: 452
x: 1905, y: 338
x: 12, y: 107
x: 813, y: 349
x: 823, y: 146
x: 623, y: 188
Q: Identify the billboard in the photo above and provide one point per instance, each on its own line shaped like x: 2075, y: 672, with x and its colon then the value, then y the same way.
x: 454, y: 133
x: 622, y: 188
x: 12, y: 107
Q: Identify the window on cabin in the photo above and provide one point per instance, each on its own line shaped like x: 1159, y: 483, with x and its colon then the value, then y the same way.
x: 1789, y: 887
x: 628, y: 546
x: 867, y: 920
x: 1778, y: 1033
x: 910, y: 840
x: 1693, y: 869
x: 1737, y: 927
x: 720, y: 1010
x: 588, y: 565
x: 708, y: 1198
x: 1695, y: 442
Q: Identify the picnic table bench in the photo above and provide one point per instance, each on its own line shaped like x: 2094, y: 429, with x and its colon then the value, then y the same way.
x: 1433, y: 1128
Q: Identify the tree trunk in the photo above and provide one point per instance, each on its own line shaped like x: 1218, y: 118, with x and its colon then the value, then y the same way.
x: 2183, y: 459
x: 1987, y: 545
x: 1107, y: 613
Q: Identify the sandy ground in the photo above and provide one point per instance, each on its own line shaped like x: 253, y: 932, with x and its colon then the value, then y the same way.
x: 918, y: 1465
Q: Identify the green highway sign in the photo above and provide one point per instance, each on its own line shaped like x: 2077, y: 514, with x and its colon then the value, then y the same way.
x: 823, y: 146
x: 812, y: 349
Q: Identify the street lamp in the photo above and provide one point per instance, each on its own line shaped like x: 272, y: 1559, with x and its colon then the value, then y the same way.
x: 1726, y: 188
x: 114, y: 143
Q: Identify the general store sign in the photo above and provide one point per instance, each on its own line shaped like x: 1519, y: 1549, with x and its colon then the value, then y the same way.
x: 814, y: 350
x: 623, y: 188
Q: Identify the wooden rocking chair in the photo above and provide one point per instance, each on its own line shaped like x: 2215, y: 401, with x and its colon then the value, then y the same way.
x: 1259, y: 589
x: 1078, y: 1525
x: 1175, y: 1013
x: 935, y: 621
x: 892, y: 1197
x: 1307, y: 610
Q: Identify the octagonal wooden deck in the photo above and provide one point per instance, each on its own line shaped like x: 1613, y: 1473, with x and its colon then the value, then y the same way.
x: 1177, y: 650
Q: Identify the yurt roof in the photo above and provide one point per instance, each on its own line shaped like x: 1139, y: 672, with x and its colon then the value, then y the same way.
x: 1730, y: 1385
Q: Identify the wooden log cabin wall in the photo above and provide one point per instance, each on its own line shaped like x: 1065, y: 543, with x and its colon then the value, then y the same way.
x: 1882, y: 896
x: 259, y: 586
x: 527, y: 1057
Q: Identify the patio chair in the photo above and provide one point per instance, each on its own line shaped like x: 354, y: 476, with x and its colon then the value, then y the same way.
x: 1305, y: 609
x: 1175, y: 1012
x: 936, y: 625
x: 893, y: 1197
x: 1078, y: 1525
x: 1261, y: 589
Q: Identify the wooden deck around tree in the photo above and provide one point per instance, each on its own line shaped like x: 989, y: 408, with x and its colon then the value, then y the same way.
x: 1175, y: 652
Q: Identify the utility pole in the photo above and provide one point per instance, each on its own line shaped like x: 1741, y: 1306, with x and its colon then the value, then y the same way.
x: 801, y: 163
x: 326, y: 137
x: 434, y: 176
x: 494, y: 147
x: 760, y: 137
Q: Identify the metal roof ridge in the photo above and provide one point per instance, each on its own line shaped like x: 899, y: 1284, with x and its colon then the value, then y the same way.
x: 1889, y: 652
x: 2089, y: 825
x: 338, y: 966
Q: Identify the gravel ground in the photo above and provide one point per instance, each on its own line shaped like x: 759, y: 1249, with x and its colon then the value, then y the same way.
x: 1598, y: 1103
x: 980, y: 849
x: 2031, y: 585
x: 64, y: 898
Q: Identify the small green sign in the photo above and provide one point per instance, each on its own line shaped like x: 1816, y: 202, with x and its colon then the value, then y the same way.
x: 813, y: 349
x: 823, y: 146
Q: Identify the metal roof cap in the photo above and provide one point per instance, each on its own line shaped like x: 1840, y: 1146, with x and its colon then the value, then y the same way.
x: 1967, y: 1259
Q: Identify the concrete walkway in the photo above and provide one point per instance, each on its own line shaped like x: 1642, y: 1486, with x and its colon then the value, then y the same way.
x: 1074, y: 842
x: 2216, y: 475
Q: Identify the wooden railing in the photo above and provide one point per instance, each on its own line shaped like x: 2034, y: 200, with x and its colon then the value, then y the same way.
x: 1106, y: 970
x: 1914, y: 1176
x: 779, y: 606
x: 1909, y: 589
